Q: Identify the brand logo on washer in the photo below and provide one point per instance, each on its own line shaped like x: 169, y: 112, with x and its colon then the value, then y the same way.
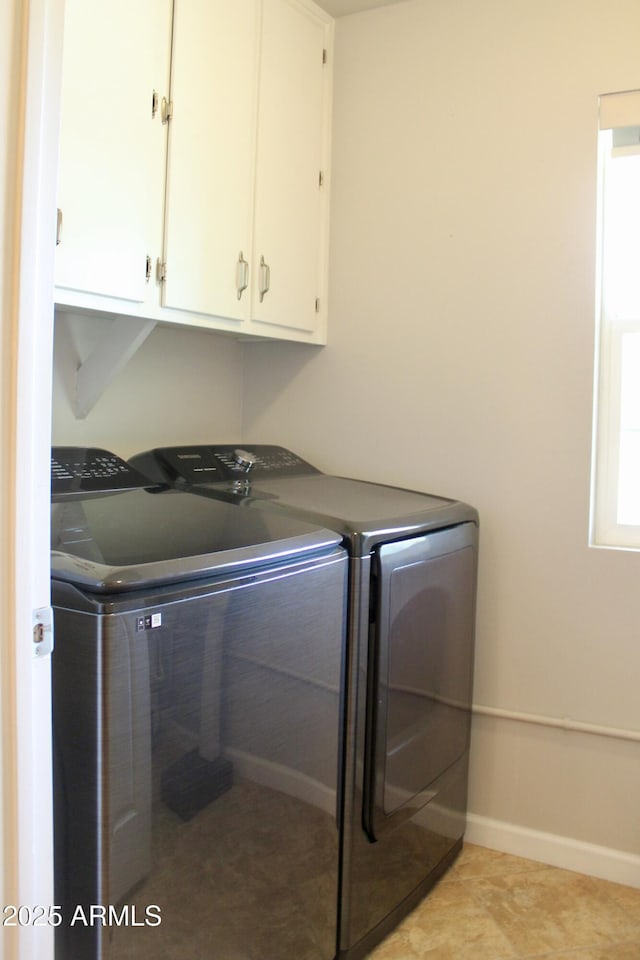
x: 148, y: 621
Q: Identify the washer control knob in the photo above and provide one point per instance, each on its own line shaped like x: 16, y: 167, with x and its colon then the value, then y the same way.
x: 244, y: 460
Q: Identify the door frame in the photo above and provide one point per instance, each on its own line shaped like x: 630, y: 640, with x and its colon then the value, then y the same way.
x: 30, y: 113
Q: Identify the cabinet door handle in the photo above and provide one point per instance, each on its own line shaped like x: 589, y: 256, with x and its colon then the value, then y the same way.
x: 265, y: 278
x: 242, y: 275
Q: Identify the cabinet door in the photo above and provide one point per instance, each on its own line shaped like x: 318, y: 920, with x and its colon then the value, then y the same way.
x: 112, y: 147
x: 289, y: 208
x: 210, y: 162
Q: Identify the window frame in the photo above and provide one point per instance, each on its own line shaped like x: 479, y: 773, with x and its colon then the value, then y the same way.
x: 605, y: 530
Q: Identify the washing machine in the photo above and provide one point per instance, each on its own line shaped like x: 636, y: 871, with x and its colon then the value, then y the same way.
x: 411, y: 625
x: 198, y: 714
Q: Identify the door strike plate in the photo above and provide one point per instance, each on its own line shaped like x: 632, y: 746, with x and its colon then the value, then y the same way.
x: 42, y: 632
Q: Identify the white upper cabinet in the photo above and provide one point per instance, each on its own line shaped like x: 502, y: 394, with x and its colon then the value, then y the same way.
x: 112, y: 146
x: 291, y: 174
x: 223, y: 193
x: 210, y: 169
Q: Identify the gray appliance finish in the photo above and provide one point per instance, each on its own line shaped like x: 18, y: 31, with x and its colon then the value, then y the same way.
x: 197, y: 715
x: 411, y: 623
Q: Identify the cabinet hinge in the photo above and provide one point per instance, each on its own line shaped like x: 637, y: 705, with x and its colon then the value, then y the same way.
x: 166, y: 110
x: 155, y: 100
x: 317, y: 304
x: 325, y: 56
x: 321, y: 179
x: 147, y: 270
x: 161, y: 270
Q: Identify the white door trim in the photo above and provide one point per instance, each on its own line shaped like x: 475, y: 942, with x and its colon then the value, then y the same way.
x: 33, y: 113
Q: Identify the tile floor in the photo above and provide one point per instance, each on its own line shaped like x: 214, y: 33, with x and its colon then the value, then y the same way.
x: 492, y: 906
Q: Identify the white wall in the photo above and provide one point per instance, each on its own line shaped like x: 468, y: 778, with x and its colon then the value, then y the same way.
x: 460, y: 361
x: 181, y: 386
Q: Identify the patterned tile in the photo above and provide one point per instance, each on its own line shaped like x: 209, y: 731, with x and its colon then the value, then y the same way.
x: 628, y: 951
x: 448, y: 923
x: 477, y: 861
x: 492, y: 906
x: 550, y: 910
x: 626, y: 897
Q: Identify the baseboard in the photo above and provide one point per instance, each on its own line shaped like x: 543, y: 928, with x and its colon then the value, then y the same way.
x: 603, y: 862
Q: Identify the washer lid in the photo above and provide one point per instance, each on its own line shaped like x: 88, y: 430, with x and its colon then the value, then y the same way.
x: 130, y: 540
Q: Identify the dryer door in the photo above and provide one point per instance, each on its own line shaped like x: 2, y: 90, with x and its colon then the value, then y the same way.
x: 420, y: 671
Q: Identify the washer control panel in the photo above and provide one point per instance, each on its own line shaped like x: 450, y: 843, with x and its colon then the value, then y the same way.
x: 220, y: 463
x: 82, y: 471
x: 266, y: 460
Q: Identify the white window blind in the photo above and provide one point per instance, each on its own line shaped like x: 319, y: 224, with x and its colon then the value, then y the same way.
x: 615, y: 514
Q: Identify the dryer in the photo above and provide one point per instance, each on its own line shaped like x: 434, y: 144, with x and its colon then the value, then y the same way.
x: 197, y: 716
x: 411, y: 623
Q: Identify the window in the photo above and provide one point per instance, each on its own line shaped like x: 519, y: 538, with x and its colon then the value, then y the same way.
x: 616, y: 466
